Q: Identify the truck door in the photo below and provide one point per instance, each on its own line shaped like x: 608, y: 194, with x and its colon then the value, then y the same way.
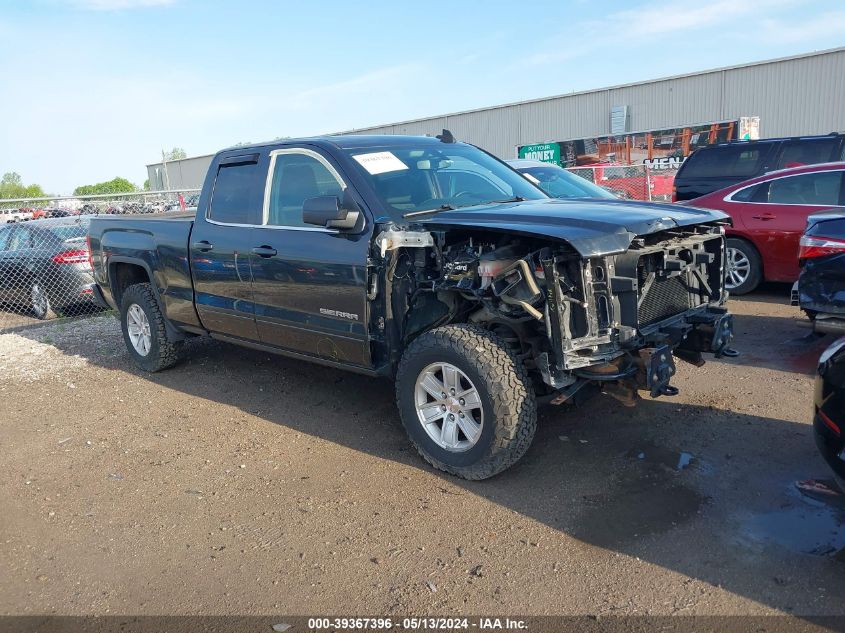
x: 220, y: 245
x: 309, y: 283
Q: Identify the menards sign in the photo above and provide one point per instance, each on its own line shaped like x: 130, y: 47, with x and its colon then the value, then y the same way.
x: 545, y: 152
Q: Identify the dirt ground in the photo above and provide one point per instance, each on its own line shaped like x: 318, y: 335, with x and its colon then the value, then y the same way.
x: 248, y: 484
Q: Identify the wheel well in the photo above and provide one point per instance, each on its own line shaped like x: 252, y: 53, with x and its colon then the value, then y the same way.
x: 122, y: 275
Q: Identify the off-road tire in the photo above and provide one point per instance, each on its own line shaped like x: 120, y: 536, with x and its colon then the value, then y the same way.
x: 164, y: 351
x: 755, y: 274
x: 507, y: 397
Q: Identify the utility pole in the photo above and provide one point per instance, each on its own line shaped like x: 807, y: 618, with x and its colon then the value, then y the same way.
x: 166, y: 175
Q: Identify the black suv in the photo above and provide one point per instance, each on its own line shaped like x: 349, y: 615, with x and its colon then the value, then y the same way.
x: 714, y: 167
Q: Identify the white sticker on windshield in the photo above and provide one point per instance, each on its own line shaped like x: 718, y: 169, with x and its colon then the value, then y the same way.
x: 380, y: 162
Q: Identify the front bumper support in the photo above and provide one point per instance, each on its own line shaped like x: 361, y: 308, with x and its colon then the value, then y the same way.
x: 712, y: 332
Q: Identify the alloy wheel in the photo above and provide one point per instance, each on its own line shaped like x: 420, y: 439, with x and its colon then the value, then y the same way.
x: 739, y: 268
x: 449, y: 407
x: 138, y: 328
x: 40, y: 302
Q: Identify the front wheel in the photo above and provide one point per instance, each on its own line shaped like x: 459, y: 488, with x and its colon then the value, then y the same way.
x: 465, y: 401
x: 144, y: 330
x: 744, y: 267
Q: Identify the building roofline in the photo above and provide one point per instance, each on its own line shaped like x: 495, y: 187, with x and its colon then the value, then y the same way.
x: 697, y: 73
x: 179, y: 160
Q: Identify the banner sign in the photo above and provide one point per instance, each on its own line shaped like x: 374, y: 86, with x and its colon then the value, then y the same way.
x: 659, y: 149
x: 545, y: 152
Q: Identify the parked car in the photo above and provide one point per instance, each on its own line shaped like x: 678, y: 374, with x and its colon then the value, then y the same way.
x: 556, y: 181
x: 715, y: 167
x: 829, y: 408
x: 10, y: 216
x: 430, y: 261
x: 820, y: 290
x: 44, y: 266
x: 769, y: 216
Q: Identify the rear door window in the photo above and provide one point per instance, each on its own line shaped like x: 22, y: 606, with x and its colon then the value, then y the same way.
x: 237, y: 195
x: 748, y: 194
x: 821, y: 188
x: 807, y: 152
x: 731, y: 161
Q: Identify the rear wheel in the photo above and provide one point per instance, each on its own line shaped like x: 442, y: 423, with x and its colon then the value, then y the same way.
x: 465, y: 401
x: 144, y: 330
x: 744, y: 267
x: 40, y: 302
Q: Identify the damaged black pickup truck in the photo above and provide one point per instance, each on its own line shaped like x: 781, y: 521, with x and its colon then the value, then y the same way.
x: 431, y: 262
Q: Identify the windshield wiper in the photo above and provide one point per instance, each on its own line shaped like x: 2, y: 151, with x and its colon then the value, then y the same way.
x: 514, y: 199
x: 442, y: 207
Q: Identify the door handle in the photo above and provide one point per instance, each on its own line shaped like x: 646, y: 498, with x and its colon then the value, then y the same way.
x: 765, y: 216
x: 204, y: 246
x: 264, y: 251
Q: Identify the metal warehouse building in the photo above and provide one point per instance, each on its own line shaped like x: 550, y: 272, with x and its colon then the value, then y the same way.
x: 791, y: 96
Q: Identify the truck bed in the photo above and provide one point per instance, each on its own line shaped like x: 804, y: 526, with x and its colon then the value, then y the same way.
x: 159, y: 243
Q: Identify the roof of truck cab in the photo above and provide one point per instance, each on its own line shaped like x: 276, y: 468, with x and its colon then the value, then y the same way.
x: 344, y: 141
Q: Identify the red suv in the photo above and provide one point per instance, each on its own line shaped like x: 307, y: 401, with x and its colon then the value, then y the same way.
x: 769, y: 214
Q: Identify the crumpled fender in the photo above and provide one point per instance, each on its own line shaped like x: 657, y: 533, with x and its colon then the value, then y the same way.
x: 821, y: 286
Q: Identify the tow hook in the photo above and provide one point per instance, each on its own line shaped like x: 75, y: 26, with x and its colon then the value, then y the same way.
x: 659, y: 366
x: 713, y: 333
x: 723, y: 332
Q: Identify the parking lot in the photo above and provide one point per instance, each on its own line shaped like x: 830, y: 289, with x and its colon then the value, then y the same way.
x: 242, y: 483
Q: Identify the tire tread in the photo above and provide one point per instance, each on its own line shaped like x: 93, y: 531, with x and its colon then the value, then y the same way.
x: 169, y: 352
x: 513, y: 400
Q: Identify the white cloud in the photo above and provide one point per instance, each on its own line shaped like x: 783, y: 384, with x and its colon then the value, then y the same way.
x: 118, y: 5
x: 792, y: 31
x: 648, y: 23
x: 661, y: 19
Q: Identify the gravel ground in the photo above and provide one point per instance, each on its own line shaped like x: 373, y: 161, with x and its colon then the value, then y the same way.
x: 248, y: 484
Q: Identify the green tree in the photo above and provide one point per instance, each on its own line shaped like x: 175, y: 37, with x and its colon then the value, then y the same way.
x: 147, y: 184
x: 11, y: 186
x: 11, y: 179
x: 177, y: 153
x: 115, y: 185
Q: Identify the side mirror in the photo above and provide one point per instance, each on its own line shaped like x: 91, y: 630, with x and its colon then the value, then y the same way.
x: 327, y: 211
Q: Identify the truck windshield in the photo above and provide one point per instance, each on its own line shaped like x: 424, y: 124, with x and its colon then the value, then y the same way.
x: 412, y: 179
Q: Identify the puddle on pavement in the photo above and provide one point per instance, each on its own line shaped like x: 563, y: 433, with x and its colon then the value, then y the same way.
x: 635, y: 510
x: 649, y: 498
x: 803, y: 525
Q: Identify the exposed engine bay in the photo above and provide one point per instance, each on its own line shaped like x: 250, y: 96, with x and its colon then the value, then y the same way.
x: 614, y: 320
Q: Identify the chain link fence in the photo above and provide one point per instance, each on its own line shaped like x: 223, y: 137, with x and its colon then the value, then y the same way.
x: 45, y: 271
x: 631, y: 182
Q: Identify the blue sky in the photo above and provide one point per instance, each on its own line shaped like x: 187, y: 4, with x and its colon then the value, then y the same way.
x: 93, y: 89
